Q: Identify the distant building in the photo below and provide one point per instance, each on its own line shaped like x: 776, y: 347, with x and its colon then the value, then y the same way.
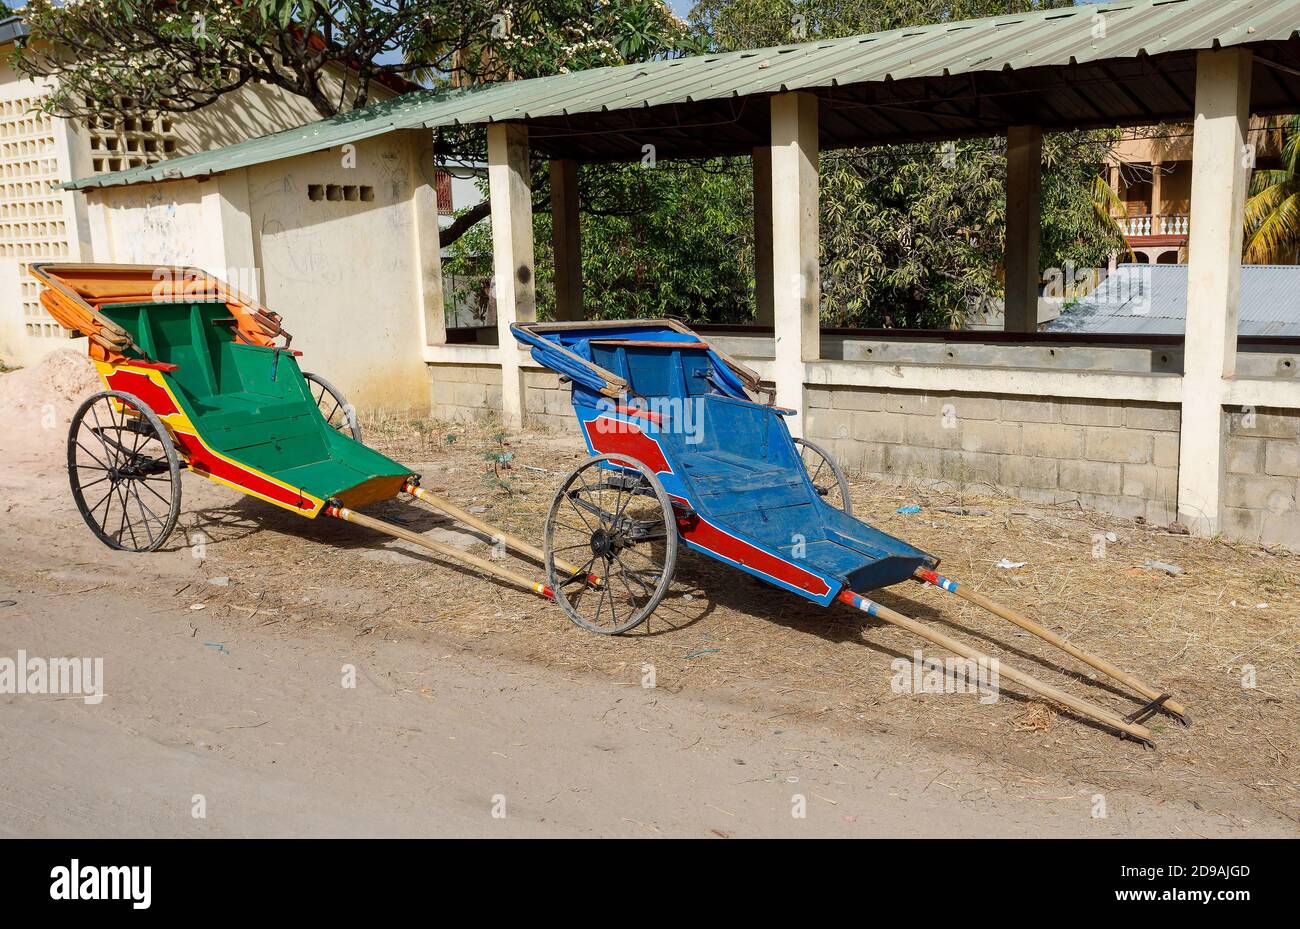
x: 1150, y: 171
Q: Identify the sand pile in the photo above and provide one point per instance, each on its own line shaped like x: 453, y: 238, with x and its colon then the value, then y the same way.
x: 37, y: 403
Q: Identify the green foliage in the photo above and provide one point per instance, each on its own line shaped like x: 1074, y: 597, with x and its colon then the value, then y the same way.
x: 735, y: 24
x: 672, y: 240
x: 533, y: 38
x: 685, y: 251
x: 1273, y: 210
x: 128, y: 57
x: 912, y: 235
x: 498, y: 460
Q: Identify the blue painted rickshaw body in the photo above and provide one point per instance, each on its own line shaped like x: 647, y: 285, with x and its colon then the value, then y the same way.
x: 729, y: 464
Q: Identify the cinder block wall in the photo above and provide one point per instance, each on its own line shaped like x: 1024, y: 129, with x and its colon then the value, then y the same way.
x: 1118, y: 457
x: 462, y: 391
x: 1263, y: 481
x: 547, y: 403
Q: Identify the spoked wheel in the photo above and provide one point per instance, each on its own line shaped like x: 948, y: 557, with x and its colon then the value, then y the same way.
x: 826, y: 475
x: 333, y: 406
x: 124, y: 471
x: 617, y: 524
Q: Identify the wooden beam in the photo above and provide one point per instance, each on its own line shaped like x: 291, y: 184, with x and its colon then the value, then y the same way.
x: 566, y: 239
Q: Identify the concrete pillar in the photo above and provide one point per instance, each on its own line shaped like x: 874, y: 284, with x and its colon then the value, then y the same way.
x: 566, y: 239
x: 762, y: 168
x: 1024, y: 226
x: 796, y: 280
x: 426, y: 236
x: 228, y: 223
x: 1220, y: 181
x: 510, y: 190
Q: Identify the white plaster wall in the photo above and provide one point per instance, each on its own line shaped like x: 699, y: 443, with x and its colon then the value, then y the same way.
x: 155, y: 224
x: 344, y: 273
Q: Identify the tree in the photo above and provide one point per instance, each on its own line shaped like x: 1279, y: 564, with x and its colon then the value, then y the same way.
x: 672, y: 240
x: 1273, y: 210
x: 128, y: 57
x: 125, y: 58
x: 913, y: 235
x: 556, y: 36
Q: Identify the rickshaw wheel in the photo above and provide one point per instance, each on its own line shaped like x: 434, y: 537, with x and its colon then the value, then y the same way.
x: 341, y: 415
x: 618, y: 525
x: 827, y: 477
x: 121, y: 456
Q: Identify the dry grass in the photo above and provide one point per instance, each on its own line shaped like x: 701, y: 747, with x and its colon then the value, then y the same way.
x: 1234, y: 611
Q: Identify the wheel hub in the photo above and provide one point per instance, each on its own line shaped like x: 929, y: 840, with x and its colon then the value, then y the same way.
x: 606, y: 544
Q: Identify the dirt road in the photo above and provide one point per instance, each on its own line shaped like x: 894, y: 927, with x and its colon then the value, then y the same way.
x: 479, y: 711
x: 429, y: 741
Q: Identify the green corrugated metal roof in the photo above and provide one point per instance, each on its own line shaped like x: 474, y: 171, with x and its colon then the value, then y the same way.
x: 1012, y: 43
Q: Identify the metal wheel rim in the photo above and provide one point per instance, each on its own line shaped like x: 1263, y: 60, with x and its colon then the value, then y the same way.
x: 124, y: 472
x: 635, y: 575
x: 825, y: 475
x: 333, y: 405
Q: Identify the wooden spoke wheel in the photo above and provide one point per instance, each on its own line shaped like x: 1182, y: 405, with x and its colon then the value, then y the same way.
x: 340, y: 414
x: 613, y: 519
x: 124, y: 472
x: 827, y: 477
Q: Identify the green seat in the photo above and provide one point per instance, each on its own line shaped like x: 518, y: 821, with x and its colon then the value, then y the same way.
x: 247, y: 403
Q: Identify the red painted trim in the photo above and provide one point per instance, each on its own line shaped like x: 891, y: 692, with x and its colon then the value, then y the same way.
x: 708, y: 536
x: 621, y: 438
x: 156, y: 366
x: 133, y: 382
x: 204, y: 461
x: 928, y: 576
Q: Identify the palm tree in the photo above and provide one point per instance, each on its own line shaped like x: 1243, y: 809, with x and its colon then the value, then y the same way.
x: 1108, y: 209
x: 1273, y: 210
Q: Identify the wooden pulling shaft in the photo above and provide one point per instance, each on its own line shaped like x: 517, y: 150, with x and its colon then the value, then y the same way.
x: 1105, y: 667
x: 446, y: 551
x: 469, y: 519
x: 871, y: 608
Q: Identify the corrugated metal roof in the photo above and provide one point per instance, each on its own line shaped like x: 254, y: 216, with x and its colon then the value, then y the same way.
x: 1075, y: 38
x: 1152, y: 300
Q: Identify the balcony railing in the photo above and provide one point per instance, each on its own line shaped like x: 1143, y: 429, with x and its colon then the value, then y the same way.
x: 1172, y: 225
